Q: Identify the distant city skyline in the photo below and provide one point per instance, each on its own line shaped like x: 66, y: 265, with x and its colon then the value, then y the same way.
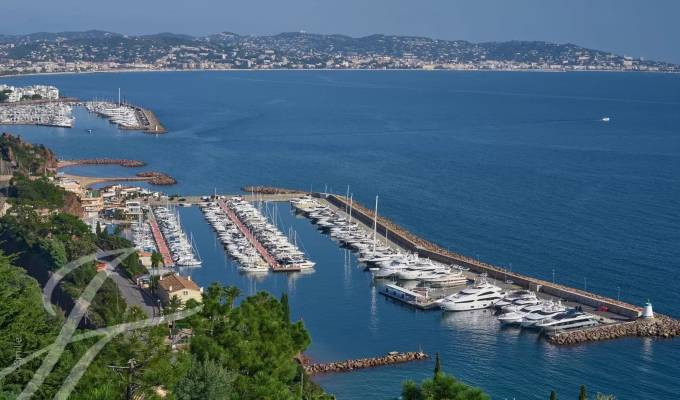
x: 621, y: 26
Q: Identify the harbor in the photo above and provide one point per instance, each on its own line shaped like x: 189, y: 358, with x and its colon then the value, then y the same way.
x: 414, y: 272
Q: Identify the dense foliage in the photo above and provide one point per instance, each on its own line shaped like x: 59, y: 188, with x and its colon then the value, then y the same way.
x: 23, y: 157
x: 37, y: 192
x: 441, y: 387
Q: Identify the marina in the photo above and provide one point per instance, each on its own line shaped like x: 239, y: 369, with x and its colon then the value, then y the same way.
x: 531, y: 198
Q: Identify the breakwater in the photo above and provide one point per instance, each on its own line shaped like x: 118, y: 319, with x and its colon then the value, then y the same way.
x: 157, y: 178
x: 658, y: 327
x: 361, y: 363
x: 424, y: 248
x: 269, y: 190
x: 102, y: 161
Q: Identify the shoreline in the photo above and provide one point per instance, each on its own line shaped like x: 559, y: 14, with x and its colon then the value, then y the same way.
x: 125, y: 71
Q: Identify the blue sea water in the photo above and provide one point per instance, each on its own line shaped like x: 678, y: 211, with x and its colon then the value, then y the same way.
x: 513, y: 168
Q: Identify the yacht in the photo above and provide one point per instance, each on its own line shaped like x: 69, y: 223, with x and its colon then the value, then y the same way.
x: 547, y: 311
x: 570, y: 320
x: 481, y: 295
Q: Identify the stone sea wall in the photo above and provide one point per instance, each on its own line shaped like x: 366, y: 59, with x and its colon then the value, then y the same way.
x: 658, y: 327
x: 351, y: 365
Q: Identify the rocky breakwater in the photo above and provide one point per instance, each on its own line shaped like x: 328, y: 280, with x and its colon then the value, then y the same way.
x: 103, y: 161
x: 351, y: 365
x: 158, y: 178
x: 270, y: 190
x: 657, y: 327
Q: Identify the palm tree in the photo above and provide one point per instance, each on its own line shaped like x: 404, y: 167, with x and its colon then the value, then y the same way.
x: 174, y: 305
x: 231, y: 293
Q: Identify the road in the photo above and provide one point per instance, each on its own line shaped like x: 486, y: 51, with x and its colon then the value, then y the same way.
x: 133, y: 294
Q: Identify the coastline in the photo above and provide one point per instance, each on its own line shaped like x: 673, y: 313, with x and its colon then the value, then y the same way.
x: 123, y: 70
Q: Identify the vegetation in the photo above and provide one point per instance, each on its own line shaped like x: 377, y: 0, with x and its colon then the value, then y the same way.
x: 23, y: 157
x: 441, y: 387
x: 4, y: 95
x: 38, y: 192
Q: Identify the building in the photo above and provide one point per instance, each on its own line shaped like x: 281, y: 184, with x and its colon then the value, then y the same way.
x: 133, y: 208
x: 176, y: 285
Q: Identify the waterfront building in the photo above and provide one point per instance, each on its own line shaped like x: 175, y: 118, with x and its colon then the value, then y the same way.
x: 175, y: 285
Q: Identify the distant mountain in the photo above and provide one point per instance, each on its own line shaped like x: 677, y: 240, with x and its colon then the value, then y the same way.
x: 100, y: 50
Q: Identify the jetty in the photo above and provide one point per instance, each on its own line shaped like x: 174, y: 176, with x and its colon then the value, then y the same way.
x: 362, y: 363
x: 660, y: 326
x: 148, y: 122
x: 264, y: 253
x: 161, y: 244
x: 101, y: 161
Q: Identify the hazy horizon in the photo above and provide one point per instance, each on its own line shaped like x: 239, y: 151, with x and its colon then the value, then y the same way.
x: 624, y: 27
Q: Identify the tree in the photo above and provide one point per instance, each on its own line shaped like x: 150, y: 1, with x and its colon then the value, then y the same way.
x: 205, y: 380
x: 437, y: 365
x: 442, y: 387
x: 553, y: 395
x: 156, y: 259
x: 285, y: 307
x: 174, y: 305
x: 231, y: 294
x: 582, y: 395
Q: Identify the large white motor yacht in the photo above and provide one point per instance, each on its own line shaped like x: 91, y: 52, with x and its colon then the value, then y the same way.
x: 481, y: 295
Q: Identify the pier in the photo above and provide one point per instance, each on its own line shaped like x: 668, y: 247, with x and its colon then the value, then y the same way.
x: 163, y: 248
x: 425, y: 249
x: 264, y: 253
x: 101, y: 161
x: 362, y: 363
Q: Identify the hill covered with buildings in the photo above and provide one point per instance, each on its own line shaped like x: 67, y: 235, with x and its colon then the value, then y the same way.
x: 104, y: 51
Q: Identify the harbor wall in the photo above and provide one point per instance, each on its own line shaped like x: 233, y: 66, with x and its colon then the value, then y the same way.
x: 428, y: 250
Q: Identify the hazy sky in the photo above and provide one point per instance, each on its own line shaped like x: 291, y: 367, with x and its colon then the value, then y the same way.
x: 650, y: 29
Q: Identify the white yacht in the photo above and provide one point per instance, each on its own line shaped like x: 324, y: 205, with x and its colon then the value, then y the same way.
x: 547, y: 311
x: 481, y: 295
x: 570, y: 320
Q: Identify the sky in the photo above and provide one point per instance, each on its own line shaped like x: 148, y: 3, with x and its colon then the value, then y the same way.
x: 649, y: 29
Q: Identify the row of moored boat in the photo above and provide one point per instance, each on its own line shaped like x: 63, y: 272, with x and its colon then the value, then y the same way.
x: 416, y: 276
x: 181, y: 248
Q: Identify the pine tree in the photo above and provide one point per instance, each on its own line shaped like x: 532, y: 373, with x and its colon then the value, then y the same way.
x: 98, y: 229
x: 437, y: 365
x: 553, y: 395
x: 582, y: 393
x: 286, y: 307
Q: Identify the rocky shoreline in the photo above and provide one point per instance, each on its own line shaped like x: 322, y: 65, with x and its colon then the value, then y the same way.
x: 351, y: 365
x: 659, y: 327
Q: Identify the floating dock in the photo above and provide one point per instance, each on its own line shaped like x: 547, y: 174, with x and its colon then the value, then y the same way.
x: 264, y: 253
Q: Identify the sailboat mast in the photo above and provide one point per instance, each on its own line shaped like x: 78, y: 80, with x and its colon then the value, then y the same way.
x: 351, y: 202
x: 375, y: 222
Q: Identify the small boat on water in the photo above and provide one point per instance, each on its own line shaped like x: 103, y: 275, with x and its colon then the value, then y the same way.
x: 605, y: 119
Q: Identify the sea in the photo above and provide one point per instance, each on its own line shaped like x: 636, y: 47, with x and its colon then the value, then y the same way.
x: 514, y: 168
